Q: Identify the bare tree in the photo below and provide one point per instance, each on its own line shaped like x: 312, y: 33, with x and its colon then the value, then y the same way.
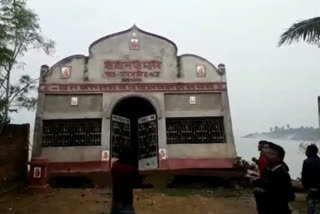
x: 19, y: 32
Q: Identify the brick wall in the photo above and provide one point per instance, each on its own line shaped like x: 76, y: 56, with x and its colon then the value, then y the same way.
x: 14, y: 145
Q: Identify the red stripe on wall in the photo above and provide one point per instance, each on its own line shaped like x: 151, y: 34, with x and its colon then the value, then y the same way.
x: 128, y: 87
x: 171, y: 164
x: 203, y: 163
x: 89, y: 166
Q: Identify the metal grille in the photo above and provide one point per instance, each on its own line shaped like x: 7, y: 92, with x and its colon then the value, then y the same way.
x: 195, y: 130
x: 71, y: 132
x: 148, y: 137
x: 120, y: 134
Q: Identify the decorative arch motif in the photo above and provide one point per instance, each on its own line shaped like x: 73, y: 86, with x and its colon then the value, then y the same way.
x: 117, y: 101
x: 67, y: 60
x: 133, y: 28
x: 201, y: 58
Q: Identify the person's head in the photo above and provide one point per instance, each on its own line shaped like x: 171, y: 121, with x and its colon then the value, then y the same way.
x: 262, y: 144
x: 274, y: 154
x: 126, y: 155
x: 312, y: 150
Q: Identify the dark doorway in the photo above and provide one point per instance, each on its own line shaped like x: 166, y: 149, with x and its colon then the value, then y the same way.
x: 134, y: 122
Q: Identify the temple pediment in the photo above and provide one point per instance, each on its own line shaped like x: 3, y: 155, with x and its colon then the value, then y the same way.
x: 133, y: 56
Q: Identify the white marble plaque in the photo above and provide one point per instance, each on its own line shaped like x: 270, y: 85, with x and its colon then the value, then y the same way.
x: 74, y: 101
x: 37, y: 172
x: 192, y: 100
x: 201, y: 71
x: 105, y: 155
x: 163, y: 154
x: 65, y: 72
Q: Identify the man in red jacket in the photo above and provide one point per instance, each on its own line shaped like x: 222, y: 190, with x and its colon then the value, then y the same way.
x: 262, y: 147
x: 125, y: 177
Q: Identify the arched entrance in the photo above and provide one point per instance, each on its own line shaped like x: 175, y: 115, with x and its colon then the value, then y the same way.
x: 134, y: 123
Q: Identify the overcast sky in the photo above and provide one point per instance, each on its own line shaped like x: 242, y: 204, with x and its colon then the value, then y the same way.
x: 267, y: 85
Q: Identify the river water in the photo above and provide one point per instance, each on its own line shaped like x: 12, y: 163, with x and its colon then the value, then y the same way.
x: 247, y: 148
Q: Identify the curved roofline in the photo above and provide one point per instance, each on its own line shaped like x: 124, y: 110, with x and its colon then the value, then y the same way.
x: 76, y: 56
x: 199, y: 57
x: 128, y: 30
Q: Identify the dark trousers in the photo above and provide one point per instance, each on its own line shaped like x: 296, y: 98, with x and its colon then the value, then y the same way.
x: 121, y: 208
x: 268, y: 206
x: 313, y: 206
x: 313, y: 200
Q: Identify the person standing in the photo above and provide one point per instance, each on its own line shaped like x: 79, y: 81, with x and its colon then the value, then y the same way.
x: 273, y: 190
x: 311, y: 179
x: 262, y: 159
x: 125, y: 177
x: 261, y: 162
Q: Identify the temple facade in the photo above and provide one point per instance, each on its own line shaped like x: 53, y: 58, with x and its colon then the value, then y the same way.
x: 132, y: 89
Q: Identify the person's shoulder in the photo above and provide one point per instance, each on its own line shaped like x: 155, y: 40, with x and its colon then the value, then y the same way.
x: 312, y: 160
x: 307, y: 160
x: 282, y: 169
x: 117, y: 166
x: 114, y: 166
x: 317, y: 160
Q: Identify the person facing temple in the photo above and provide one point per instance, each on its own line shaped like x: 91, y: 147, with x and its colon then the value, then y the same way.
x: 311, y: 178
x: 273, y: 190
x: 125, y: 177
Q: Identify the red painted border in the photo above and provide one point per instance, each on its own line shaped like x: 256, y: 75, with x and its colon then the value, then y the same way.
x: 168, y: 164
x: 132, y: 87
x: 78, y: 166
x: 203, y: 163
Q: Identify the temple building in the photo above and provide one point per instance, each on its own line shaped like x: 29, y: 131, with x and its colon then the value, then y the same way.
x: 132, y: 89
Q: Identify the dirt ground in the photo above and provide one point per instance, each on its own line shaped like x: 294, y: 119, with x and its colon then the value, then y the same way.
x: 147, y: 201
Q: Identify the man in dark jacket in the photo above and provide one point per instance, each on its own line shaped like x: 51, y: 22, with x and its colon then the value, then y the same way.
x: 311, y: 179
x: 274, y: 190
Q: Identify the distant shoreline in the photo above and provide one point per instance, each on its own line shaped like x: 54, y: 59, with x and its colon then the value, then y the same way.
x: 273, y: 138
x: 296, y: 134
